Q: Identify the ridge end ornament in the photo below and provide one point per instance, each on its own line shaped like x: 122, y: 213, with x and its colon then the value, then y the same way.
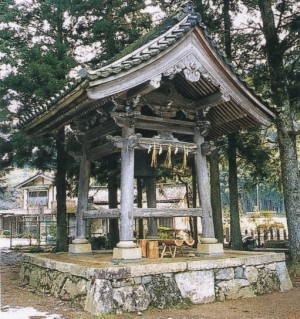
x: 189, y: 7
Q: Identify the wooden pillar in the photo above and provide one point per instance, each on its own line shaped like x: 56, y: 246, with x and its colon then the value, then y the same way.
x: 127, y: 188
x: 203, y: 188
x: 151, y: 203
x: 80, y: 244
x: 208, y: 244
x: 83, y: 190
x: 126, y: 249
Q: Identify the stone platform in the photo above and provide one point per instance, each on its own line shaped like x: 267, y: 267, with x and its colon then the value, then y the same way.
x: 100, y: 287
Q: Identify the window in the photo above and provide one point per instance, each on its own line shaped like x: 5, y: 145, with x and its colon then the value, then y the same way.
x: 38, y: 198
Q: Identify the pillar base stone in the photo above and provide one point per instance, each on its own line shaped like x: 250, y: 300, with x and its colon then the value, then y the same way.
x: 127, y: 254
x: 126, y: 244
x: 205, y: 250
x: 80, y: 246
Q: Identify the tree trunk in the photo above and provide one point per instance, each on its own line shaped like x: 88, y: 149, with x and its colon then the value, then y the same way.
x: 284, y: 125
x: 195, y: 219
x: 227, y: 26
x: 61, y: 187
x: 235, y: 228
x: 140, y: 205
x: 216, y: 194
x: 150, y: 183
x: 113, y: 203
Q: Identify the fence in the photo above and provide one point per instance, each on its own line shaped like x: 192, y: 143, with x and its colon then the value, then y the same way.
x: 263, y: 235
x: 29, y: 233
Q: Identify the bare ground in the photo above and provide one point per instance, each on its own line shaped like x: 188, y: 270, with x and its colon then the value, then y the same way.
x: 284, y: 305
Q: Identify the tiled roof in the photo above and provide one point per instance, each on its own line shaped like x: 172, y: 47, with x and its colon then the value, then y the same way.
x: 28, y: 116
x: 159, y: 39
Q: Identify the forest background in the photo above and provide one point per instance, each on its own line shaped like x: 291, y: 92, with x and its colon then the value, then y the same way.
x: 43, y: 44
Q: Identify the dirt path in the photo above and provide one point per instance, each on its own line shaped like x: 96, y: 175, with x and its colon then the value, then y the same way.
x: 276, y: 305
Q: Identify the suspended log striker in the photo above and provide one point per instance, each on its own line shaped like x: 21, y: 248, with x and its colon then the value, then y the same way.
x: 171, y: 91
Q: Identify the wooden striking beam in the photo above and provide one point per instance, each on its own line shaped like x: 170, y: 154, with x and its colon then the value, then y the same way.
x: 145, y: 213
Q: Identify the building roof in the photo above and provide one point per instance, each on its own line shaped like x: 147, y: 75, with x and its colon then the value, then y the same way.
x: 31, y: 179
x: 177, y: 70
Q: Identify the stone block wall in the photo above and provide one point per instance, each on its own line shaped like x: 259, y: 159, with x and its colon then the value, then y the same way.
x: 135, y: 287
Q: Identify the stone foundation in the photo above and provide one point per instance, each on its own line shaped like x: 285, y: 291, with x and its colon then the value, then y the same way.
x: 161, y: 283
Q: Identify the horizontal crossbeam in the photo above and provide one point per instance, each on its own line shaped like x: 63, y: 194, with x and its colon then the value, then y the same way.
x: 144, y: 213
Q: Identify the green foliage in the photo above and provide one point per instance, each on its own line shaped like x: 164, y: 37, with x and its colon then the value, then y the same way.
x: 165, y: 232
x: 35, y: 249
x: 264, y: 220
x: 6, y: 233
x: 29, y: 233
x: 40, y: 44
x: 52, y: 229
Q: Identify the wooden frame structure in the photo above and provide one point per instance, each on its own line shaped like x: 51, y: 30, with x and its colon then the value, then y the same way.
x: 170, y: 92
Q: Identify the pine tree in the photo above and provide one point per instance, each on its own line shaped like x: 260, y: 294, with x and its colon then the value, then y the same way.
x: 41, y: 42
x: 270, y: 47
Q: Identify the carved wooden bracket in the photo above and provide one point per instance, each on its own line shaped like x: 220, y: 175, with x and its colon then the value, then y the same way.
x: 203, y: 127
x: 120, y: 142
x: 125, y: 119
x: 82, y: 125
x: 207, y: 148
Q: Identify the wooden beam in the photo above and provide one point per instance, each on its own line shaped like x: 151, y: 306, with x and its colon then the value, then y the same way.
x: 141, y: 143
x: 209, y: 101
x: 145, y: 213
x: 142, y: 89
x: 100, y: 151
x: 164, y: 124
x: 166, y: 212
x: 145, y: 143
x: 106, y: 128
x: 163, y: 99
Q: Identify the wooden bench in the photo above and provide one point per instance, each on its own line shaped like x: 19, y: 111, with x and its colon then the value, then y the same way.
x: 172, y: 246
